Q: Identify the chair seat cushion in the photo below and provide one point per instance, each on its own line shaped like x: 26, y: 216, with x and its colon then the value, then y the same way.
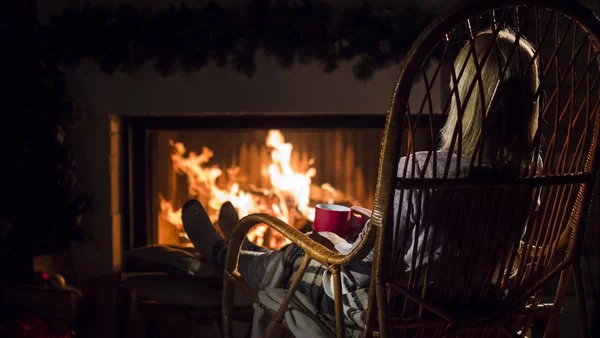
x: 170, y: 290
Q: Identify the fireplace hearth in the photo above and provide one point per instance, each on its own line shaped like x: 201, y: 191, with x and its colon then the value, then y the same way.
x: 282, y: 164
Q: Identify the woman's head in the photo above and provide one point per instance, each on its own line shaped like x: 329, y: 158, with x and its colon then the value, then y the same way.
x: 505, y: 94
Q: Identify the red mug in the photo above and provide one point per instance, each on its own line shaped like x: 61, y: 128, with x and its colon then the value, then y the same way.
x: 332, y: 218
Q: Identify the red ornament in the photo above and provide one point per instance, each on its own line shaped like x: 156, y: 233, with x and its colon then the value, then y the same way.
x: 40, y: 277
x: 31, y: 327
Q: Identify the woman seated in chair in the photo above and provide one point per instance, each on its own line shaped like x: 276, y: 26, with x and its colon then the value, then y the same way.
x: 514, y: 142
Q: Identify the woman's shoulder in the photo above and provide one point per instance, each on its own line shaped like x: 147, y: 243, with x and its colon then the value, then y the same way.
x: 422, y: 160
x: 432, y: 164
x: 421, y: 157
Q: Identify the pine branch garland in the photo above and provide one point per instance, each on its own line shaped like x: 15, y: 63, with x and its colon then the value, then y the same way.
x: 187, y: 38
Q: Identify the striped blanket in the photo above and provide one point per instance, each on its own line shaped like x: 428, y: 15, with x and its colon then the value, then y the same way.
x: 354, y: 294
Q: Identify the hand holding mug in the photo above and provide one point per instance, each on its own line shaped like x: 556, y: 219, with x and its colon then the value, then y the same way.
x: 358, y: 218
x: 340, y: 220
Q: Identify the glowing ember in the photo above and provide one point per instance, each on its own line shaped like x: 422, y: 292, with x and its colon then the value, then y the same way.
x: 287, y: 198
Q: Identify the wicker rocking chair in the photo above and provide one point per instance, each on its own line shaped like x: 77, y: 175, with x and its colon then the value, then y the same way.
x: 505, y: 235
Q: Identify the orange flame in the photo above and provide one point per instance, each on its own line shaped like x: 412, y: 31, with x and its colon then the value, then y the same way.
x: 289, y: 193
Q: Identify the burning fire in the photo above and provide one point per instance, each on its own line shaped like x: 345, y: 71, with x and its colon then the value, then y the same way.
x: 288, y: 198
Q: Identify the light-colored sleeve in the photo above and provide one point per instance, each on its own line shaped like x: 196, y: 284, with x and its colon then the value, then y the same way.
x: 407, y: 208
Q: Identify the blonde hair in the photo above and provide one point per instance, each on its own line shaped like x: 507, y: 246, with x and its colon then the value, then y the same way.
x: 508, y: 102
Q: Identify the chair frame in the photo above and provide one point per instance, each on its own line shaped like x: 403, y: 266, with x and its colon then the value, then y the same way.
x: 387, y: 181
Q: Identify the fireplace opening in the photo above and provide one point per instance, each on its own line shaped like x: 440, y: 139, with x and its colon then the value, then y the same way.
x: 280, y: 164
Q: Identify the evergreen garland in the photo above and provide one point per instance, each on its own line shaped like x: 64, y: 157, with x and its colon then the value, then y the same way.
x: 187, y: 38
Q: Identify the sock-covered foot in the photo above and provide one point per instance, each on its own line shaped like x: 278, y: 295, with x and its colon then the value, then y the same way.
x: 202, y: 233
x: 228, y: 218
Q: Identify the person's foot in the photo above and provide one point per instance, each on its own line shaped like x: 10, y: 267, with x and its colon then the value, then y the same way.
x: 228, y: 218
x: 201, y: 231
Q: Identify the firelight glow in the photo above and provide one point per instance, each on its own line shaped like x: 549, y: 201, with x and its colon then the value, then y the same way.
x: 288, y: 198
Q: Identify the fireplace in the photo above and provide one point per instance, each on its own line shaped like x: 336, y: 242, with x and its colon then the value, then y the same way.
x: 111, y: 140
x: 282, y: 164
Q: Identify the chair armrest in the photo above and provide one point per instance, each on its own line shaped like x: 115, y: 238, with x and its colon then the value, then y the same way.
x: 312, y: 248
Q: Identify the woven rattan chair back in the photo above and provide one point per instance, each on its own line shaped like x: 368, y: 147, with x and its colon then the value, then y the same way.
x: 492, y: 211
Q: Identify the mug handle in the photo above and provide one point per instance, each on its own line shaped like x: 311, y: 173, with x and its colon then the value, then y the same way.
x: 362, y: 211
x: 359, y: 216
